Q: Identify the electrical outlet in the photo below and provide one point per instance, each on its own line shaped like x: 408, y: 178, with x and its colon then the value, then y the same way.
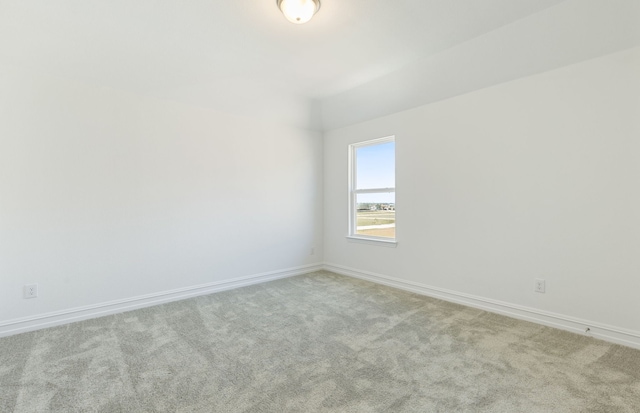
x: 30, y: 291
x: 313, y: 251
x: 540, y: 285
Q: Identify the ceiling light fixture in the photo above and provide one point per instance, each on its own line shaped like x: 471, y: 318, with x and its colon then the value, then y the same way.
x: 299, y: 11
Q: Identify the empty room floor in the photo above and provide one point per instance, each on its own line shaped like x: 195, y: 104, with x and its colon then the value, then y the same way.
x: 319, y: 342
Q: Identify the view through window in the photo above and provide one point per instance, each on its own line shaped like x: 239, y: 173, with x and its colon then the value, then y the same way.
x: 372, y: 190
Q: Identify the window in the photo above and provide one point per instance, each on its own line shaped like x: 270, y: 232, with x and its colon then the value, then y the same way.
x: 372, y: 190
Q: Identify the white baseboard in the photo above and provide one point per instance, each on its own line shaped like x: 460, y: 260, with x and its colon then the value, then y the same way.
x: 604, y: 332
x: 600, y: 331
x: 38, y: 322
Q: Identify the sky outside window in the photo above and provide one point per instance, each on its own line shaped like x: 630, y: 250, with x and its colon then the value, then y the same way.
x: 376, y: 168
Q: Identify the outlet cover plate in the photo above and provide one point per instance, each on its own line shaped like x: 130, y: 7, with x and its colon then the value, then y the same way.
x: 30, y: 291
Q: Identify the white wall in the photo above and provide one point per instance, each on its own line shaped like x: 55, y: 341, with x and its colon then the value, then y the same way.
x: 569, y: 32
x: 105, y: 195
x: 535, y: 178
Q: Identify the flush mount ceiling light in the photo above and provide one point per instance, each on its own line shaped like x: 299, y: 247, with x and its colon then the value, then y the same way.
x: 299, y: 11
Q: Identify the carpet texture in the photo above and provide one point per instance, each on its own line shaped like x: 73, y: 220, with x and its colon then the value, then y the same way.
x: 314, y: 343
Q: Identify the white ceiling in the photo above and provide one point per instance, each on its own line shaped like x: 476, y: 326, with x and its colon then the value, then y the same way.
x: 241, y: 56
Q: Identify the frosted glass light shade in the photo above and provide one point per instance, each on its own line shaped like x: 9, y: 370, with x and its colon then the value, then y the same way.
x: 299, y: 11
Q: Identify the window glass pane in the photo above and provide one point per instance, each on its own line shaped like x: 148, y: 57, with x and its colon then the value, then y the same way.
x: 376, y: 166
x: 376, y: 215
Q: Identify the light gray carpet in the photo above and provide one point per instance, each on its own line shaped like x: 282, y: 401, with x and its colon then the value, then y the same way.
x: 314, y: 343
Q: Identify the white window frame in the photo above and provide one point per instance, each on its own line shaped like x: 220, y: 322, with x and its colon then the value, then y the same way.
x: 353, y: 193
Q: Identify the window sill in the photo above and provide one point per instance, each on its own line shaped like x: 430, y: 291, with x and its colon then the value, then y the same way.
x: 373, y: 241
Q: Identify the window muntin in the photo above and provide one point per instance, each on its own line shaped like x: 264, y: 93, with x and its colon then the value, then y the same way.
x: 372, y: 190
